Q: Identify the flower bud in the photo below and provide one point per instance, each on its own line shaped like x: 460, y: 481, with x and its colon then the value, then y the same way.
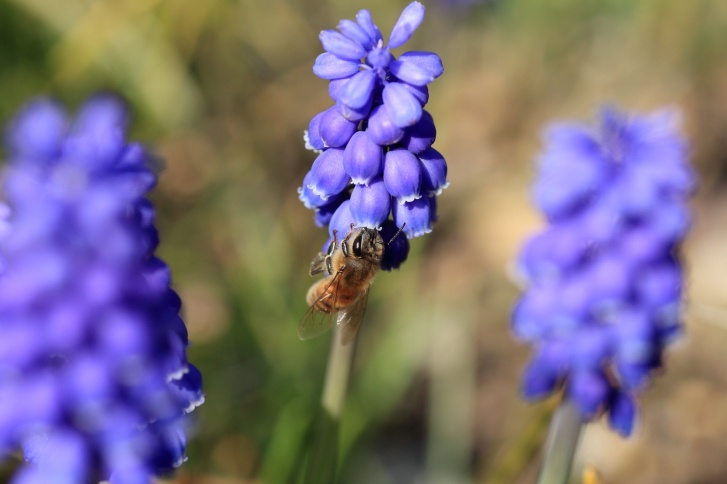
x: 381, y: 128
x: 434, y: 171
x: 362, y: 158
x: 370, y: 204
x: 313, y: 140
x: 416, y: 215
x: 420, y: 136
x: 336, y: 130
x: 402, y: 175
x: 342, y: 220
x: 403, y: 108
x: 327, y: 176
x: 397, y: 246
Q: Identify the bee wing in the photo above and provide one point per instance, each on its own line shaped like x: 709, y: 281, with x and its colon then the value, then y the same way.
x: 315, y: 322
x: 349, y: 319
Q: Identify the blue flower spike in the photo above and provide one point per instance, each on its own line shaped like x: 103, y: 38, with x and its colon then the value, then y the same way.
x: 390, y: 174
x: 604, y: 277
x: 94, y: 378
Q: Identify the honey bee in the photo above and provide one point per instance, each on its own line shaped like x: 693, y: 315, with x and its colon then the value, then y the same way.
x: 340, y: 297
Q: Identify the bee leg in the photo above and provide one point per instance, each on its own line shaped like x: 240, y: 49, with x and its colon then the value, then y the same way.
x: 335, y: 238
x: 344, y: 243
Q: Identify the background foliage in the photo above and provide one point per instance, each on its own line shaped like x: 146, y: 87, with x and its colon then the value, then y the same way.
x: 223, y: 90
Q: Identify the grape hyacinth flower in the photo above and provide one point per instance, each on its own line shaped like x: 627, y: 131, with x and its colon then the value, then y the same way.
x: 94, y: 379
x: 605, y: 279
x: 376, y: 167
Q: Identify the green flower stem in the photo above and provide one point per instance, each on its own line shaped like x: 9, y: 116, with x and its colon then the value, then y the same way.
x: 337, y: 373
x: 561, y: 444
x: 323, y: 459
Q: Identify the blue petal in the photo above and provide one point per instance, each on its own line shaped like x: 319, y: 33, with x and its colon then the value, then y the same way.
x: 335, y: 85
x: 188, y: 389
x: 370, y: 204
x: 622, y: 413
x: 98, y: 134
x: 539, y: 381
x: 341, y: 220
x: 420, y: 136
x: 403, y: 108
x: 599, y: 223
x: 100, y: 115
x: 328, y: 66
x: 434, y: 171
x: 336, y: 130
x: 357, y: 92
x: 416, y: 215
x: 397, y: 246
x: 402, y: 175
x: 641, y: 244
x: 87, y: 378
x: 363, y: 18
x: 671, y: 220
x: 546, y: 370
x: 660, y: 285
x: 327, y: 176
x: 341, y: 46
x: 410, y: 19
x: 358, y: 114
x: 381, y: 129
x: 636, y: 192
x: 61, y: 455
x: 410, y: 73
x: 589, y: 390
x: 591, y: 347
x: 38, y: 130
x: 570, y: 171
x: 362, y: 158
x: 379, y: 59
x: 427, y: 61
x: 552, y: 252
x: 419, y: 92
x: 532, y: 312
x: 324, y: 213
x: 610, y: 277
x: 355, y: 32
x: 634, y: 376
x: 576, y: 301
x: 313, y: 136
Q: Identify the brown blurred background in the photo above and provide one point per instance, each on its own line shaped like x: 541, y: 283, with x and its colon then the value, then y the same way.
x: 223, y: 90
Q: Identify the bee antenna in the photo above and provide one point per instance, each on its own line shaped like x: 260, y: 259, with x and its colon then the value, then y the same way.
x: 396, y: 234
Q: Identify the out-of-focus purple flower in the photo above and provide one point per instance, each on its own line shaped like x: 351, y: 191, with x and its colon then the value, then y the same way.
x: 94, y: 379
x: 379, y: 123
x: 605, y: 281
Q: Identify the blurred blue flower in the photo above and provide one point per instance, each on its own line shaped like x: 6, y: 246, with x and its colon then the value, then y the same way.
x: 378, y: 123
x: 604, y: 277
x: 94, y: 379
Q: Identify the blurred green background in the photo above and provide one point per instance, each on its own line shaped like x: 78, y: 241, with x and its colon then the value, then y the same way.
x: 223, y: 90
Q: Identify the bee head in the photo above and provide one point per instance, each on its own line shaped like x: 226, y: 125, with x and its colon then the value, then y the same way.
x: 367, y: 244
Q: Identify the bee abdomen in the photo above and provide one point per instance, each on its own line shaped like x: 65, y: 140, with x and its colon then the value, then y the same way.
x: 327, y: 301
